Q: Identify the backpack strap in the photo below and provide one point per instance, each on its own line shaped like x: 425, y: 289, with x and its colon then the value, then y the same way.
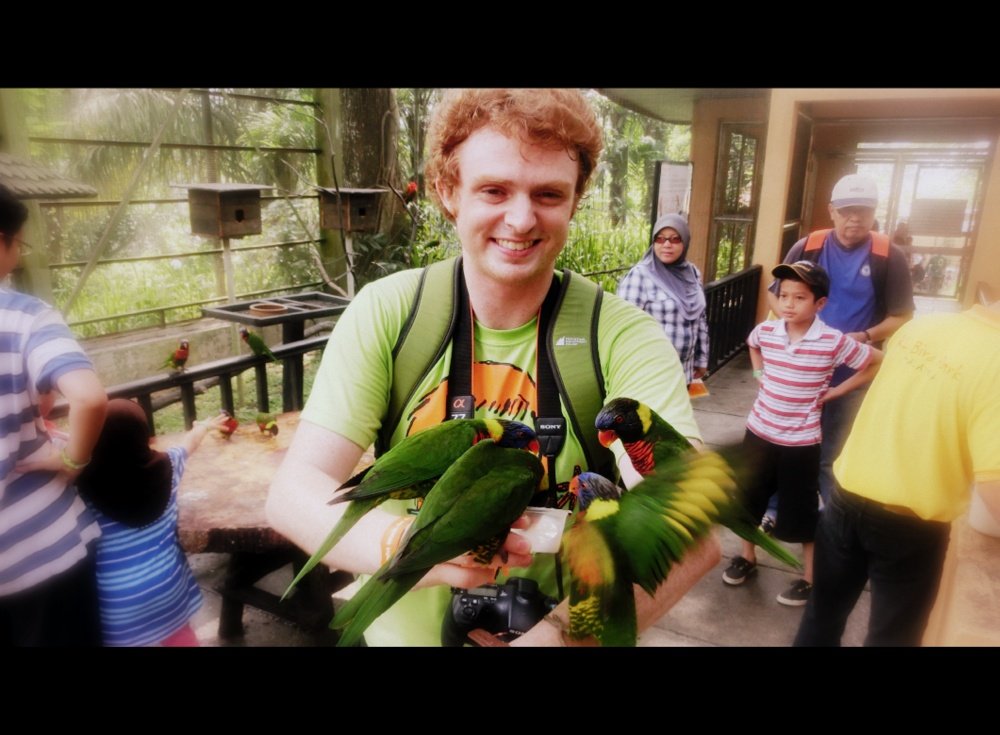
x: 816, y: 239
x: 567, y: 347
x: 422, y: 340
x: 571, y: 344
x: 880, y: 244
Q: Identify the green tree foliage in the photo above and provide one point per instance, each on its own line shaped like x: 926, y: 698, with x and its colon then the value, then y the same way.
x: 158, y: 222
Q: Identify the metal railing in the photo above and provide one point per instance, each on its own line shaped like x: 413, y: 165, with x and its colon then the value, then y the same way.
x: 732, y: 310
x: 225, y: 370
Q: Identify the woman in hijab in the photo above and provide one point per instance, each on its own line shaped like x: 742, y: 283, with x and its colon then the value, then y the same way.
x: 668, y: 287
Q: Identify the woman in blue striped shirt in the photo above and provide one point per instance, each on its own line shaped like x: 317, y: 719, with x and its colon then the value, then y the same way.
x: 668, y: 287
x: 146, y: 589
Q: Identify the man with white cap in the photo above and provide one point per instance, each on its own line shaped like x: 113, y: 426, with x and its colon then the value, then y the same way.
x: 871, y: 295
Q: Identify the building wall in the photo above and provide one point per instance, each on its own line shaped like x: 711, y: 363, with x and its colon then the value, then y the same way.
x: 708, y: 114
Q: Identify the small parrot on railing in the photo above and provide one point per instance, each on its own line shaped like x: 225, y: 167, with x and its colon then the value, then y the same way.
x: 255, y: 343
x: 176, y: 359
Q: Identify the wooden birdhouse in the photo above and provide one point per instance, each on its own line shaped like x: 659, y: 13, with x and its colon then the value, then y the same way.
x: 358, y: 211
x: 225, y: 210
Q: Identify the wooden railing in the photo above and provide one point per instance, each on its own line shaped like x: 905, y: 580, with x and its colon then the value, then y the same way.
x: 225, y: 370
x: 732, y: 309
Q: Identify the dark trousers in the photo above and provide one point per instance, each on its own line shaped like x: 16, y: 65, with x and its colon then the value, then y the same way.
x: 792, y: 474
x: 62, y: 611
x: 858, y: 540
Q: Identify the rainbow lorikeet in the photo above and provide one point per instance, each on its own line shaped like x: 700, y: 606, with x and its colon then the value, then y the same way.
x: 229, y: 427
x: 176, y: 359
x: 267, y: 424
x: 647, y: 438
x: 256, y: 344
x: 651, y: 443
x: 621, y: 538
x: 470, y: 509
x: 410, y: 469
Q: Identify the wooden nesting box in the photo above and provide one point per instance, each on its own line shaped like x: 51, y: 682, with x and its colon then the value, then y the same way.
x: 225, y: 210
x: 358, y: 210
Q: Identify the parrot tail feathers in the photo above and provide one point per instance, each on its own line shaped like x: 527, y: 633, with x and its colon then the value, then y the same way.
x: 352, y: 515
x: 754, y: 535
x: 377, y: 596
x: 352, y: 482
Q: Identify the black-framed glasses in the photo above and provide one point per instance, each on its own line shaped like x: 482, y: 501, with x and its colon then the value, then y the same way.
x: 673, y: 239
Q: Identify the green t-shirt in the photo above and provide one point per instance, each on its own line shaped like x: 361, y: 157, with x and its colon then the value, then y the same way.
x: 351, y: 394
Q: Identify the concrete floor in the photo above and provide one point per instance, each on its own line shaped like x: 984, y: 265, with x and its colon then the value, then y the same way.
x: 711, y: 614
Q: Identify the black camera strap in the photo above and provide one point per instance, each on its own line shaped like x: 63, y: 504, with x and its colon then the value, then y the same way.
x: 550, y: 424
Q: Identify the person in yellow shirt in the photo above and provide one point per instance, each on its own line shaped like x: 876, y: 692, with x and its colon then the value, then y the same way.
x: 928, y: 430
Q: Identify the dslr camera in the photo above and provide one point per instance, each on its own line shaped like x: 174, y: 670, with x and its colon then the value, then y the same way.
x: 506, y: 611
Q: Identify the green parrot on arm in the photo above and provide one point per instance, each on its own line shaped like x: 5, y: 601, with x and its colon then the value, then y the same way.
x: 470, y: 509
x: 621, y: 538
x: 256, y: 344
x: 409, y: 470
x: 651, y: 443
x: 647, y: 438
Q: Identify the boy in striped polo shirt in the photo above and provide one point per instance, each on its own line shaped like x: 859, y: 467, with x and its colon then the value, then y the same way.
x: 793, y: 359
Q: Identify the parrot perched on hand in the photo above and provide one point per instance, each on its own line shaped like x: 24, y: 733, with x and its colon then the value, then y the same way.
x: 652, y: 443
x: 622, y: 538
x: 267, y: 424
x: 647, y: 438
x: 470, y: 509
x: 176, y: 359
x: 256, y: 344
x: 410, y: 469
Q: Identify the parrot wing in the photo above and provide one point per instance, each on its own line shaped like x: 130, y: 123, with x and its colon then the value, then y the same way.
x: 423, y: 456
x: 669, y: 512
x: 258, y: 346
x: 601, y: 598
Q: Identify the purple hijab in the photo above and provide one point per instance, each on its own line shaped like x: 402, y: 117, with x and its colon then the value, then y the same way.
x: 679, y: 280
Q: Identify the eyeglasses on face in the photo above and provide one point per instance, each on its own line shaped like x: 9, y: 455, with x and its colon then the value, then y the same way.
x: 25, y: 247
x: 673, y: 239
x: 854, y: 211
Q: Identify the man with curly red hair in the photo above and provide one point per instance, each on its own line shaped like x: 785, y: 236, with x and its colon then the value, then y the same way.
x: 508, y: 168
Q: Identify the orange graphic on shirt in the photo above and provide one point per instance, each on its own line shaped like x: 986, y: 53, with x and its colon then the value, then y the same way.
x: 505, y: 390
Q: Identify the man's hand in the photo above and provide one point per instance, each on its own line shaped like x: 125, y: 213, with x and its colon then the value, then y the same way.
x: 861, y: 337
x: 465, y: 572
x: 699, y: 372
x: 831, y: 395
